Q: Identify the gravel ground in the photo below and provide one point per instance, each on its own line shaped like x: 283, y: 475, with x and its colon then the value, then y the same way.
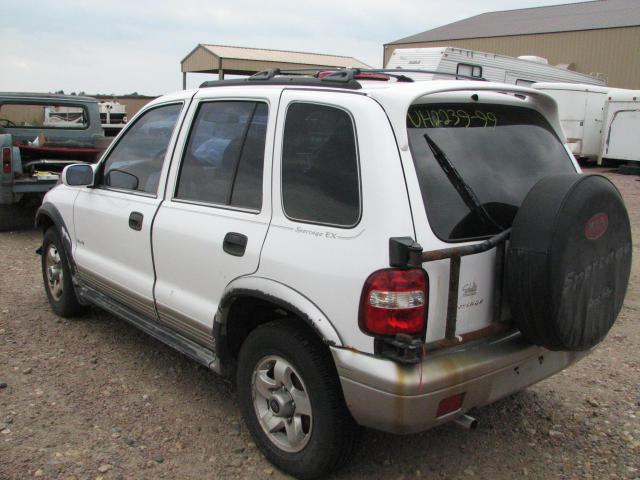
x: 94, y: 398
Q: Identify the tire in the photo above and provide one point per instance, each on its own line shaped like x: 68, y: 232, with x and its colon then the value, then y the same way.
x: 16, y: 217
x: 56, y: 276
x: 329, y: 436
x: 569, y: 261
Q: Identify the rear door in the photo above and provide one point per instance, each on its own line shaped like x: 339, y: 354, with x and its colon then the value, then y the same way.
x: 622, y: 141
x: 572, y: 107
x: 593, y: 119
x: 212, y: 225
x: 113, y: 220
x: 475, y: 163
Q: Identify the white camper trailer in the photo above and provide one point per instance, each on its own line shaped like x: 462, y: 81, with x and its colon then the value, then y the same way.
x: 581, y: 109
x: 523, y: 71
x: 113, y: 116
x: 621, y: 132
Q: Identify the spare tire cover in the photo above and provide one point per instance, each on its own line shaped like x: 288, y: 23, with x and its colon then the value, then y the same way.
x: 568, y: 261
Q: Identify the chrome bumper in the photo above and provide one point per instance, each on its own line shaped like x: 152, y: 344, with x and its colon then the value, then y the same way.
x: 391, y: 397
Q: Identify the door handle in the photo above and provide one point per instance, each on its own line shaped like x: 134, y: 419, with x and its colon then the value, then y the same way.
x: 135, y: 221
x: 235, y: 244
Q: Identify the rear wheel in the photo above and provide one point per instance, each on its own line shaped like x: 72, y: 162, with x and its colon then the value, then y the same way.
x: 292, y: 403
x: 57, y: 277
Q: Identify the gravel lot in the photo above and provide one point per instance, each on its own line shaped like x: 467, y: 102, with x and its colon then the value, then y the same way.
x: 94, y: 398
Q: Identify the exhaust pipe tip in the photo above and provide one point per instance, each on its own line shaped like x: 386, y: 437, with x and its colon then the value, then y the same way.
x: 466, y: 421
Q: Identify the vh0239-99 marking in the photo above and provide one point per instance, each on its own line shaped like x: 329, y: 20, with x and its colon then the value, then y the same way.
x: 449, y: 117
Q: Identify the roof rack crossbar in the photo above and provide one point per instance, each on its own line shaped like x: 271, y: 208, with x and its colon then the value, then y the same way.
x: 341, y: 75
x: 265, y: 74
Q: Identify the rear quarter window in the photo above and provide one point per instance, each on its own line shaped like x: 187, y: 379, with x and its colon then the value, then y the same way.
x: 476, y: 163
x: 320, y: 178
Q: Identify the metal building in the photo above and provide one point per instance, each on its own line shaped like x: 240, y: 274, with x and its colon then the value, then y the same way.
x: 599, y: 37
x: 222, y: 59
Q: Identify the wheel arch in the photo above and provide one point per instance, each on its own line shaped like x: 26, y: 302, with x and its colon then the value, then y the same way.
x: 258, y: 292
x: 49, y: 216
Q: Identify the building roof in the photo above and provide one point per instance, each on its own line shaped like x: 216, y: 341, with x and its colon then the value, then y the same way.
x: 207, y: 57
x: 555, y: 18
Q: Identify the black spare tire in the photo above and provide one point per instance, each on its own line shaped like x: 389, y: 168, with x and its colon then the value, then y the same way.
x: 569, y: 261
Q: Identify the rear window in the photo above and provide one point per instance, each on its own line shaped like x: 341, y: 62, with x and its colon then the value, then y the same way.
x: 475, y: 164
x: 43, y: 115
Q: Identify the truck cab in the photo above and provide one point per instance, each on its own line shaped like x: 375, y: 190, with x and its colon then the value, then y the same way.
x: 40, y: 134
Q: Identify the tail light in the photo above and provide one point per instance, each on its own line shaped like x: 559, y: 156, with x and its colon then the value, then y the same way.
x: 394, y: 301
x: 6, y: 160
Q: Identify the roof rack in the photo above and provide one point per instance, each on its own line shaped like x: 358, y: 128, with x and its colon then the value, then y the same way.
x: 338, y: 78
x: 276, y: 77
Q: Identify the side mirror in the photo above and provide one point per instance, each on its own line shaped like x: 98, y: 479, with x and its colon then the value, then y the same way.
x: 77, y: 175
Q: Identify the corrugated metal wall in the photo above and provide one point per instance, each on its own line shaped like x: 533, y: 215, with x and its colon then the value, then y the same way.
x: 200, y: 60
x: 614, y: 52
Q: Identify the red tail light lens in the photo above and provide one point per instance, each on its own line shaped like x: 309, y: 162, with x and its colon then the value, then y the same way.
x: 394, y: 301
x: 6, y: 160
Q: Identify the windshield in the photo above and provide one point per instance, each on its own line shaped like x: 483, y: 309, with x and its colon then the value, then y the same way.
x: 475, y: 164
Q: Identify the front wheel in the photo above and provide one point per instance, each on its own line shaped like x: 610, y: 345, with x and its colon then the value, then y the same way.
x: 291, y: 401
x: 57, y: 276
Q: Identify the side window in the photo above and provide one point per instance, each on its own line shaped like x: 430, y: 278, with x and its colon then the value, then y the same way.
x: 136, y: 161
x: 469, y: 70
x: 524, y: 83
x: 320, y: 181
x: 223, y: 160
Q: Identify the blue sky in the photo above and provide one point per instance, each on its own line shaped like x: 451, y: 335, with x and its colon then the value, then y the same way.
x: 118, y: 46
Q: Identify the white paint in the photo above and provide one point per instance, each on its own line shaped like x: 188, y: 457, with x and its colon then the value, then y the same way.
x: 621, y: 132
x: 581, y: 109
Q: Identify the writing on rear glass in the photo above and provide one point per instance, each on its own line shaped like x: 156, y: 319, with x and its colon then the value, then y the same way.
x: 421, y: 116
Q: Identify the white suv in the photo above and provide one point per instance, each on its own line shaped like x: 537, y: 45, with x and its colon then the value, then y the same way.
x: 353, y: 249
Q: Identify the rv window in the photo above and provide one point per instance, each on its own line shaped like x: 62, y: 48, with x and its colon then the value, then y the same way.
x: 475, y: 164
x: 469, y: 70
x: 524, y: 83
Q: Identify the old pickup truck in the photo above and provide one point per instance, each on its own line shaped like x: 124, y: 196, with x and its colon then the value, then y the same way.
x: 39, y: 135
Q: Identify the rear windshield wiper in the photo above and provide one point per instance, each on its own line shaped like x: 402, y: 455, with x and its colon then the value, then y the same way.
x: 464, y: 190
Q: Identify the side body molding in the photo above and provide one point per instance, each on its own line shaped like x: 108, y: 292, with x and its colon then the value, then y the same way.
x: 278, y: 294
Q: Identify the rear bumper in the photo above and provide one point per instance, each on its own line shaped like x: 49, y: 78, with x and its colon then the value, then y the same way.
x: 388, y: 396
